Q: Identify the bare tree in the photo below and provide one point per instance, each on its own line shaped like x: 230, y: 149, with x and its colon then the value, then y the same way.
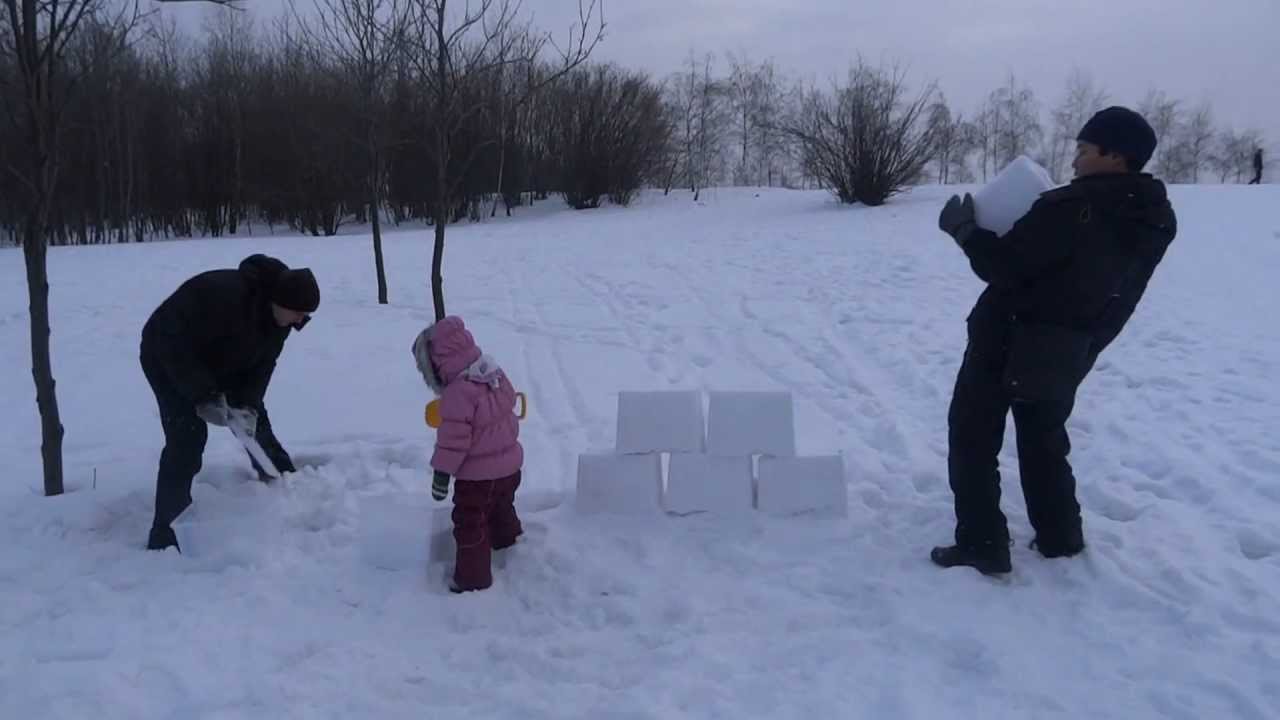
x: 1165, y: 116
x: 37, y: 40
x: 1080, y: 101
x: 362, y: 38
x: 984, y: 137
x: 455, y: 49
x: 1233, y: 155
x: 710, y: 121
x: 743, y: 93
x: 1195, y: 141
x: 1015, y: 121
x: 867, y: 139
x: 681, y: 105
x: 954, y: 141
x: 772, y: 100
x: 756, y: 99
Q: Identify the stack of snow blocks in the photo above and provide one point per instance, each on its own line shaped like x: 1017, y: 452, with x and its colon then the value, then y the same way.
x: 713, y: 464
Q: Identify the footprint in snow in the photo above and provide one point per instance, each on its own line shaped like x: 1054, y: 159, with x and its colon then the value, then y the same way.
x: 1256, y: 545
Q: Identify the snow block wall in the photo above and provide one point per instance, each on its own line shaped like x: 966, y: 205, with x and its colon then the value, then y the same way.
x: 802, y: 484
x: 751, y: 423
x: 710, y: 468
x: 660, y: 422
x: 708, y: 483
x: 620, y: 484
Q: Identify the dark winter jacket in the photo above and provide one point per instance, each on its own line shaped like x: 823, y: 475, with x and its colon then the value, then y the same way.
x: 1079, y: 261
x: 216, y: 333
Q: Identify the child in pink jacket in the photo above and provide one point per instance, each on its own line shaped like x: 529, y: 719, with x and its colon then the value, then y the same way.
x: 477, y: 443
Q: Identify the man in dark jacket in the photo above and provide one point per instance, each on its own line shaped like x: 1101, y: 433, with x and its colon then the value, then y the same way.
x: 1061, y: 284
x: 208, y: 352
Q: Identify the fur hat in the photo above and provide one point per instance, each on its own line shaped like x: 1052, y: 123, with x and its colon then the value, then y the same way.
x: 421, y: 350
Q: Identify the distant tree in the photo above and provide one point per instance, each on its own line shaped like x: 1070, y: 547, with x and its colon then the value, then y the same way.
x: 954, y: 141
x: 1015, y: 118
x: 1079, y: 102
x: 454, y: 49
x: 610, y: 134
x: 362, y: 38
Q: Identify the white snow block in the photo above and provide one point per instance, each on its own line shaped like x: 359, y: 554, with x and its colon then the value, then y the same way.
x: 1003, y: 201
x: 619, y: 484
x: 405, y: 531
x: 802, y: 484
x: 708, y: 483
x: 669, y: 421
x: 751, y: 423
x: 231, y: 533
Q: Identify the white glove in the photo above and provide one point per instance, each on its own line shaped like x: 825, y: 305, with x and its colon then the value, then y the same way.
x: 215, y: 412
x: 243, y: 419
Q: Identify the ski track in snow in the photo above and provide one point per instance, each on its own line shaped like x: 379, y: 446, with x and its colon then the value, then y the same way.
x: 1170, y: 614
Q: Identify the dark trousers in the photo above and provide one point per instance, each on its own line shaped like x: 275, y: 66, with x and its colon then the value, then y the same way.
x: 185, y: 435
x: 976, y: 423
x: 484, y: 519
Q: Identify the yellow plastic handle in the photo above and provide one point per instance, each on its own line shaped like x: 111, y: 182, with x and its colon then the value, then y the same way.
x: 524, y: 405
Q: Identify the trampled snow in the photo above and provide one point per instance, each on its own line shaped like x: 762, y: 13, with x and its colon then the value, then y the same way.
x: 1173, y: 612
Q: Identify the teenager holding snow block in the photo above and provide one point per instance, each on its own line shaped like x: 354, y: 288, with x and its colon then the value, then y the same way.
x: 208, y: 352
x: 1061, y: 284
x: 477, y: 444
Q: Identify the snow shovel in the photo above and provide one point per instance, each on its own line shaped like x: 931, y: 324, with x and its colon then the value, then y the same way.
x: 240, y: 427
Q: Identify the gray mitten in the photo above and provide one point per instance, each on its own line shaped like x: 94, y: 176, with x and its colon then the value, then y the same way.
x: 215, y: 412
x: 958, y: 218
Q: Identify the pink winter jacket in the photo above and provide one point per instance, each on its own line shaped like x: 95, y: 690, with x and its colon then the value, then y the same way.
x: 478, y: 434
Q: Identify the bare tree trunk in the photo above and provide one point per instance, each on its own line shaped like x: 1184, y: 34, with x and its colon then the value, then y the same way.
x: 35, y: 250
x: 502, y: 164
x: 375, y: 209
x: 437, y: 259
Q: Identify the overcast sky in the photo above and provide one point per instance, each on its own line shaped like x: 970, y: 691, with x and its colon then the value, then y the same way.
x: 1224, y: 51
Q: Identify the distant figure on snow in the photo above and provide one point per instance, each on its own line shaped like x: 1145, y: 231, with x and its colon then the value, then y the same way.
x: 477, y: 443
x: 1257, y: 167
x: 1061, y: 284
x: 208, y: 352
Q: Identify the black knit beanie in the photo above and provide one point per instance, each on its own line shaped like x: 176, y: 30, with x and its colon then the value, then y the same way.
x: 297, y: 290
x: 1121, y: 130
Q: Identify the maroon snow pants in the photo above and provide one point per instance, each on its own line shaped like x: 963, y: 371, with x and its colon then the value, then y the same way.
x: 484, y: 519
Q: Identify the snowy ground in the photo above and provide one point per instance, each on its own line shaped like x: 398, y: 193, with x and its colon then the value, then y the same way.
x: 1174, y: 612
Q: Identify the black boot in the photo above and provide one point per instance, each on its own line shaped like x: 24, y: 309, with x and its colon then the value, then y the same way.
x: 162, y: 538
x: 988, y: 558
x: 1071, y: 544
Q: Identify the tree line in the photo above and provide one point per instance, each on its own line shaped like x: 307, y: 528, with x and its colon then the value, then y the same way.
x: 309, y: 124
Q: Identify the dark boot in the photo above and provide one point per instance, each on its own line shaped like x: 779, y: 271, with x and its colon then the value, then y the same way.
x: 988, y: 558
x: 1069, y: 545
x: 162, y: 538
